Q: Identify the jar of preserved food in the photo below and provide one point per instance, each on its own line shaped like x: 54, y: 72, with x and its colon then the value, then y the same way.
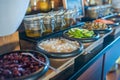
x: 33, y: 26
x: 33, y: 4
x: 93, y: 12
x: 49, y: 23
x: 69, y: 17
x: 44, y: 5
x: 60, y: 22
x: 56, y: 4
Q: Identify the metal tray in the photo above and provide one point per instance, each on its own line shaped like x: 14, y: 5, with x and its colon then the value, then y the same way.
x: 103, y: 31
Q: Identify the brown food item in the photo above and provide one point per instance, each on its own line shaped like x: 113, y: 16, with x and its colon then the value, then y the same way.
x: 104, y: 21
x: 44, y: 5
x: 95, y: 26
x: 15, y: 65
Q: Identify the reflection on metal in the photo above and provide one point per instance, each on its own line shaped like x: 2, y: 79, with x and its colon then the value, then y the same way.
x: 118, y: 61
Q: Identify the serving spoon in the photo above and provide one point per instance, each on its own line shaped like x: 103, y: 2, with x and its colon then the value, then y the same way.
x: 29, y: 54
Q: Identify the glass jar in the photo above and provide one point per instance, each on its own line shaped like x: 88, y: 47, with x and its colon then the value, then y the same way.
x: 60, y: 22
x: 33, y: 4
x: 44, y: 5
x: 33, y: 26
x: 94, y: 12
x: 69, y: 18
x: 49, y: 25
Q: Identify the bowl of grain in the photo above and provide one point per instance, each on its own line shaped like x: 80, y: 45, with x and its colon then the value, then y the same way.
x: 59, y: 47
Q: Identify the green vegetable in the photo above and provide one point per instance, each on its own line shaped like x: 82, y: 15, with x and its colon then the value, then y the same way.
x: 80, y: 33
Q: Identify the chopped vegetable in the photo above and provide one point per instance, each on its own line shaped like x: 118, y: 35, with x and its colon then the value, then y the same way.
x: 95, y: 26
x: 104, y: 21
x: 80, y: 33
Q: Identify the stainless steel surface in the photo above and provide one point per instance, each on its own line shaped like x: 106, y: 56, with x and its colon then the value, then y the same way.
x: 98, y: 11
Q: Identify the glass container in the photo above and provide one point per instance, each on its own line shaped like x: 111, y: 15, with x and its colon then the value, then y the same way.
x: 60, y: 21
x: 93, y: 12
x: 33, y: 4
x: 33, y: 26
x: 49, y: 25
x: 69, y: 18
x: 44, y: 5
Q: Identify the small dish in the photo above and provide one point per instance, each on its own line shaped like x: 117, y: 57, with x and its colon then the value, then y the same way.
x: 95, y: 37
x: 98, y: 27
x: 59, y: 54
x: 103, y: 31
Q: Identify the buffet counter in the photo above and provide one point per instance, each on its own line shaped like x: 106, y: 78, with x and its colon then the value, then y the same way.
x: 65, y: 63
x: 86, y: 63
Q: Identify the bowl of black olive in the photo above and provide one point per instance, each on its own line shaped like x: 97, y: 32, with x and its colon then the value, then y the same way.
x: 22, y: 65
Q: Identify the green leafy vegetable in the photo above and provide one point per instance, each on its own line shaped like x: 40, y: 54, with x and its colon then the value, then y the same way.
x: 80, y: 33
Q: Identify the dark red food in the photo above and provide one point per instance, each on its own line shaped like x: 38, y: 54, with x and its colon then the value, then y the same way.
x: 15, y: 65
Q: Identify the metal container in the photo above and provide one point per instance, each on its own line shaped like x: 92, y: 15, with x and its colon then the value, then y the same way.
x: 92, y: 12
x: 98, y: 11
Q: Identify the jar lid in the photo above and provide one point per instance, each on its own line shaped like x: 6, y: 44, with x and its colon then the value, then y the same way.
x: 60, y: 12
x: 32, y: 17
x: 47, y: 19
x: 70, y: 12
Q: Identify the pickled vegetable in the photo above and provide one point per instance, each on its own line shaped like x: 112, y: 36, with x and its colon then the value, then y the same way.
x: 80, y: 33
x: 95, y: 26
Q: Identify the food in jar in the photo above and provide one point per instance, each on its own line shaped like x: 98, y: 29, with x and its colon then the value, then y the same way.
x: 80, y: 33
x: 49, y: 24
x: 33, y: 33
x: 15, y: 65
x: 60, y: 22
x: 69, y: 16
x: 95, y: 26
x: 33, y: 26
x: 59, y: 45
x: 44, y: 5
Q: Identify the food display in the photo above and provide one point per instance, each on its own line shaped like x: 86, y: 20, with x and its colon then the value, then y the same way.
x: 59, y: 47
x: 104, y: 21
x: 82, y: 35
x: 95, y: 26
x: 15, y: 65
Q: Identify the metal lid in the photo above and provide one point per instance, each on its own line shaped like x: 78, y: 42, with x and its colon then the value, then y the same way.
x: 33, y: 17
